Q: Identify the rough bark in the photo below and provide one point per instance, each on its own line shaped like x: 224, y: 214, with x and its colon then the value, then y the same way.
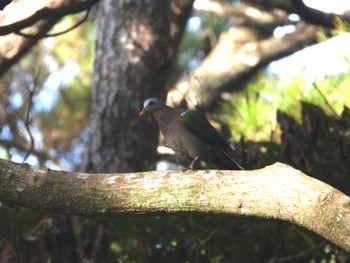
x: 277, y: 191
x: 137, y: 42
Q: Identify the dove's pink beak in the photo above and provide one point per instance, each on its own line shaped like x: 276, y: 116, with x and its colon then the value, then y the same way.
x: 142, y: 113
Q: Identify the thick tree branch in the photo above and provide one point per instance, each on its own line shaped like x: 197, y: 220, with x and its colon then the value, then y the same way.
x: 277, y: 191
x: 180, y: 12
x: 234, y: 60
x: 313, y: 16
x: 317, y: 17
x: 4, y: 3
x: 248, y: 13
x: 308, y: 14
x: 13, y: 46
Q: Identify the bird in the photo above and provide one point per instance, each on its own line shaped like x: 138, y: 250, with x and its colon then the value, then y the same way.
x: 189, y: 134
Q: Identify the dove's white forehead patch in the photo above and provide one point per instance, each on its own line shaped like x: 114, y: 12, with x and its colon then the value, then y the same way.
x: 151, y: 101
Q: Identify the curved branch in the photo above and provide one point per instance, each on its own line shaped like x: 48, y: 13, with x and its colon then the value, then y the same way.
x: 27, y: 121
x: 34, y: 19
x: 44, y: 13
x: 180, y: 12
x: 317, y: 17
x: 277, y: 191
x: 308, y: 14
x: 258, y: 17
x: 235, y: 60
x: 80, y: 22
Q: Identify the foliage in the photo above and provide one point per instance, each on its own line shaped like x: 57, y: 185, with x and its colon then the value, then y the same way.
x: 310, y: 132
x: 254, y: 109
x: 305, y: 125
x: 62, y: 77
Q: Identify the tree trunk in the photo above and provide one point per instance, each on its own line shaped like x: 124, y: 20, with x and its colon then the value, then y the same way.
x: 137, y: 41
x: 133, y: 56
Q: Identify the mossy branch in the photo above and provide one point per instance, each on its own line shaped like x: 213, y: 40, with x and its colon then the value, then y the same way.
x: 277, y: 191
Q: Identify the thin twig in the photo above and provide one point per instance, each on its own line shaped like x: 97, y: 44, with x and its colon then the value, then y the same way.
x: 325, y: 99
x: 27, y: 119
x: 16, y: 233
x: 297, y: 257
x: 45, y: 12
x: 84, y: 19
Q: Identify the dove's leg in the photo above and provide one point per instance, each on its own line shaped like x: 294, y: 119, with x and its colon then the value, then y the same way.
x: 194, y: 161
